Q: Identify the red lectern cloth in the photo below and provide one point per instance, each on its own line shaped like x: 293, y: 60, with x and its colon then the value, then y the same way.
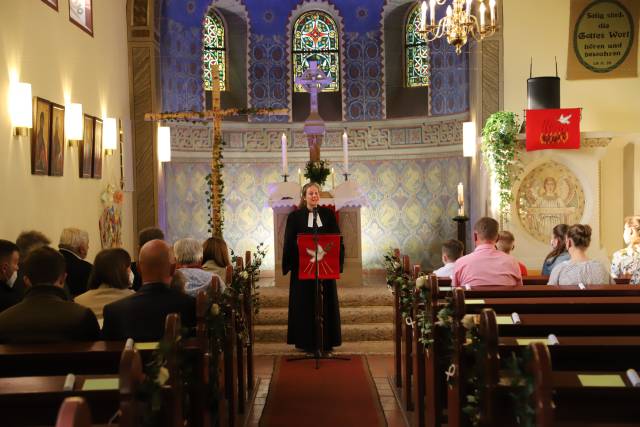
x: 553, y: 128
x: 328, y: 256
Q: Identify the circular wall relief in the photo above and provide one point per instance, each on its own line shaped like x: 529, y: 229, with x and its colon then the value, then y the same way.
x: 549, y: 195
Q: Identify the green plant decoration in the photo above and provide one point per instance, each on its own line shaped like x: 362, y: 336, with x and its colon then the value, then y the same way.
x: 499, y: 152
x: 317, y: 172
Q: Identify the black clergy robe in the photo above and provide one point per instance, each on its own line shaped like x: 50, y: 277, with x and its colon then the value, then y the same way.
x: 301, y: 323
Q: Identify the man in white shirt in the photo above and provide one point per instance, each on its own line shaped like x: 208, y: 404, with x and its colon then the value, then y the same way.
x: 451, y: 251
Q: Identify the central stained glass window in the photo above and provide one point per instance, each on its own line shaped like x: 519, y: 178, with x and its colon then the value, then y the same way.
x: 315, y: 38
x: 213, y: 50
x: 417, y: 63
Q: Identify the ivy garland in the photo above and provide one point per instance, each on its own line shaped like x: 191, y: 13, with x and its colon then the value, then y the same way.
x: 317, y: 171
x: 395, y: 274
x: 215, y: 190
x: 522, y: 387
x: 499, y: 149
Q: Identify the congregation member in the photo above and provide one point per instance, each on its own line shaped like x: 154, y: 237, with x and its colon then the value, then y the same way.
x: 506, y: 244
x: 10, y: 294
x: 142, y: 315
x: 486, y: 266
x: 109, y: 281
x: 27, y: 242
x: 188, y: 253
x: 558, y: 252
x: 215, y: 256
x: 74, y: 246
x: 146, y: 235
x: 45, y: 315
x: 626, y: 262
x: 451, y: 251
x: 579, y: 268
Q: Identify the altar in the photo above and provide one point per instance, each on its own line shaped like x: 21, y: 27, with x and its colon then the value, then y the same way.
x: 346, y: 199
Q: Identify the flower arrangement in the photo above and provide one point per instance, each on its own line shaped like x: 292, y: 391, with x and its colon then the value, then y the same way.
x: 317, y: 172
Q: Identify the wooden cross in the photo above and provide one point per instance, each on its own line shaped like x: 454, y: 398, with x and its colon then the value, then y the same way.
x: 216, y: 114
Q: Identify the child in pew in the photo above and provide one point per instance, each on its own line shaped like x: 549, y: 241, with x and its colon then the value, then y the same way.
x: 451, y: 251
x: 506, y: 243
x: 579, y: 269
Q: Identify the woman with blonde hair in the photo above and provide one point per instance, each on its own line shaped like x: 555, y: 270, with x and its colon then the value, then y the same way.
x: 579, y: 268
x: 626, y: 262
x: 301, y: 331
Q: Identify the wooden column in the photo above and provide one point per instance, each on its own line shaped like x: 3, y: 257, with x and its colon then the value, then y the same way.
x: 145, y: 97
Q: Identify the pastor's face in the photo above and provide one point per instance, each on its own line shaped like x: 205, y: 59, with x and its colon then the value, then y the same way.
x: 312, y: 197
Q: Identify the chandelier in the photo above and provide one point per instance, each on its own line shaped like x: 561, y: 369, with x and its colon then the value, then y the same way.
x: 459, y: 23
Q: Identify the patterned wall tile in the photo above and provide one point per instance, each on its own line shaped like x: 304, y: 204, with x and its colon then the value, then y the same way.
x: 363, y: 80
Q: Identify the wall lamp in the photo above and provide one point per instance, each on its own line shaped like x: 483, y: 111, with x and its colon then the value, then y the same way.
x: 469, y: 139
x: 110, y: 136
x: 21, y: 108
x: 164, y: 143
x: 73, y: 123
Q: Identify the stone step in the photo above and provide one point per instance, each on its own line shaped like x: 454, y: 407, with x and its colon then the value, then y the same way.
x: 353, y: 347
x: 359, y: 332
x: 348, y: 315
x: 348, y: 297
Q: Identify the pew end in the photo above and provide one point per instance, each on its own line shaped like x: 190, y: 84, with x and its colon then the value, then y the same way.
x: 74, y: 412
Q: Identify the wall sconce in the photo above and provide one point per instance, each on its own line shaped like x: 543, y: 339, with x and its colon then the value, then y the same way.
x: 109, y: 136
x: 74, y: 123
x: 21, y: 108
x: 164, y: 143
x: 469, y: 139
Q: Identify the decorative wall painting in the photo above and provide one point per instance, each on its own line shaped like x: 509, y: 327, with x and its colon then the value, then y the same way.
x: 86, y: 149
x: 40, y: 137
x: 81, y: 14
x: 56, y: 150
x: 97, y: 149
x: 52, y: 3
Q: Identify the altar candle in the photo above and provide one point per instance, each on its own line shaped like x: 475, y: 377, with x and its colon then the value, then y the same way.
x: 492, y: 10
x: 432, y: 11
x: 483, y: 9
x: 285, y: 166
x: 300, y: 177
x: 460, y: 200
x: 345, y: 151
x: 469, y: 7
x: 333, y: 179
x: 423, y: 15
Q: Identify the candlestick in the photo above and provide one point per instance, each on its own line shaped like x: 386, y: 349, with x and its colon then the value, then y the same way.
x: 285, y: 165
x: 423, y: 15
x: 345, y: 151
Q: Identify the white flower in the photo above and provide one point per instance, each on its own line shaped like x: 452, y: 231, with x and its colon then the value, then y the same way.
x: 244, y: 275
x: 163, y: 376
x: 469, y: 321
x: 396, y: 265
x: 215, y: 309
x: 421, y: 282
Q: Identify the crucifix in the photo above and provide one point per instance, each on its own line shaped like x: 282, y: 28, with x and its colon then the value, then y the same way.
x: 313, y: 80
x: 216, y: 184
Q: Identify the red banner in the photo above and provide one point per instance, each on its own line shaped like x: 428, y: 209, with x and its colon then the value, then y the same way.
x: 556, y: 128
x: 328, y: 256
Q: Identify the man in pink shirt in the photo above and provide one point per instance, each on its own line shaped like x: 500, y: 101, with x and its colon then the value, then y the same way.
x: 486, y: 266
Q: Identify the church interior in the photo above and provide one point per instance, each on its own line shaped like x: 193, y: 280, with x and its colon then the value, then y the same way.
x: 146, y: 140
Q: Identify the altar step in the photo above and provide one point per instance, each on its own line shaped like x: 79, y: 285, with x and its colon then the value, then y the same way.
x: 366, y: 316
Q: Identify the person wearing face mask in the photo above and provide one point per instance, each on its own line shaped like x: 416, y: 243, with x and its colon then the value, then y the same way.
x: 109, y: 280
x: 626, y: 262
x: 558, y: 252
x: 11, y: 291
x: 579, y: 269
x: 301, y: 330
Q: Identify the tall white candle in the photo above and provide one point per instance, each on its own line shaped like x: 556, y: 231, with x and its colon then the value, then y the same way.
x: 423, y: 15
x: 460, y: 200
x: 469, y: 7
x: 300, y: 177
x: 492, y: 10
x: 432, y: 11
x: 483, y: 9
x: 345, y: 151
x: 285, y: 165
x: 333, y: 178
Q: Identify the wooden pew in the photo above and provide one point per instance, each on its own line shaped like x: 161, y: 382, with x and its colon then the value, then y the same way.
x: 74, y: 412
x: 530, y: 281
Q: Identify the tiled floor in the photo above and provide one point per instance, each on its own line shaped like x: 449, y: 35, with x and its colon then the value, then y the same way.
x: 381, y: 368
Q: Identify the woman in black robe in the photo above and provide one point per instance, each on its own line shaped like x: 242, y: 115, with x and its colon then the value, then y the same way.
x: 301, y: 323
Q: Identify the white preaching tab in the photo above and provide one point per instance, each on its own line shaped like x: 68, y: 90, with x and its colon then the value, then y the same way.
x: 310, y: 221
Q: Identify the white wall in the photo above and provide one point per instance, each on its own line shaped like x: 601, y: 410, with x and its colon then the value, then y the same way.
x: 42, y: 47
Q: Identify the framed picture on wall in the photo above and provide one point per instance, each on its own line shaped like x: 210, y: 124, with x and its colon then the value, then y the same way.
x: 81, y: 14
x: 56, y: 149
x: 40, y: 136
x: 52, y: 3
x: 86, y: 148
x: 97, y: 148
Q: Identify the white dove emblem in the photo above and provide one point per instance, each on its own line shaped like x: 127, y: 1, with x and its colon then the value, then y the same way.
x: 564, y: 120
x: 312, y: 253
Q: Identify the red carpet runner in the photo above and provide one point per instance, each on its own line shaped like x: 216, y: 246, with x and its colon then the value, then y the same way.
x: 340, y: 394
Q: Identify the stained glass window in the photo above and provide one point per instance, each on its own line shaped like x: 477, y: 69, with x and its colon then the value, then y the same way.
x: 315, y: 38
x: 418, y: 66
x: 213, y: 51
